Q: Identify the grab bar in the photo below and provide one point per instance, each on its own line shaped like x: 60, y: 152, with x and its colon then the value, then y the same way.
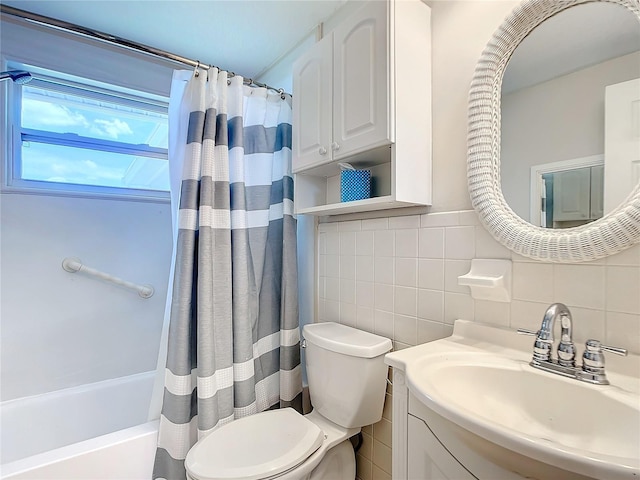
x: 74, y: 265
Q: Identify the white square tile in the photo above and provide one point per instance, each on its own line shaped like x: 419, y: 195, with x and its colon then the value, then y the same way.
x: 406, y: 301
x: 321, y: 309
x: 457, y: 305
x: 327, y: 227
x: 440, y: 219
x: 431, y: 274
x: 623, y: 330
x: 406, y: 272
x: 348, y: 266
x: 580, y: 285
x: 459, y: 243
x: 347, y: 291
x: 623, y: 289
x: 405, y: 329
x: 332, y: 243
x: 527, y: 315
x: 452, y: 270
x: 383, y: 323
x: 348, y: 314
x: 332, y: 289
x: 409, y: 221
x: 383, y: 299
x: 587, y: 324
x: 347, y: 243
x: 331, y: 311
x: 383, y: 269
x: 487, y: 246
x: 533, y: 282
x: 468, y: 218
x: 332, y: 265
x: 429, y: 331
x: 322, y: 243
x: 495, y: 313
x: 364, y: 294
x: 375, y: 224
x: 431, y: 242
x: 364, y: 268
x: 322, y: 292
x: 628, y: 257
x: 364, y: 318
x: 364, y: 243
x: 431, y: 305
x: 407, y: 243
x: 349, y: 226
x: 384, y: 243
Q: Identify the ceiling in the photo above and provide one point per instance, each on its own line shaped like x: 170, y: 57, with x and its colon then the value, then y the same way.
x: 248, y: 36
x: 242, y: 36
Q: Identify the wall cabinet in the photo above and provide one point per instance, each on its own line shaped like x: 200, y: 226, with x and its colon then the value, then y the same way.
x: 362, y: 95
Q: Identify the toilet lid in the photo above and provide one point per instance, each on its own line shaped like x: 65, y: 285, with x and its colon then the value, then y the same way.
x: 254, y: 447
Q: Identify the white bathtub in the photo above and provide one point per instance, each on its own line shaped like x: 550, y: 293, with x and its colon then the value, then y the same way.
x: 92, y: 431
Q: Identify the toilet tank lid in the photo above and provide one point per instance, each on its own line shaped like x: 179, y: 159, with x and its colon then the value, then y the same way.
x: 346, y: 340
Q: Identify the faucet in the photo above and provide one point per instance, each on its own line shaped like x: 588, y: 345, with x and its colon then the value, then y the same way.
x: 592, y: 369
x: 544, y: 338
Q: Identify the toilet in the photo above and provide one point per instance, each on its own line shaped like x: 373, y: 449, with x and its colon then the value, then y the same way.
x: 347, y: 384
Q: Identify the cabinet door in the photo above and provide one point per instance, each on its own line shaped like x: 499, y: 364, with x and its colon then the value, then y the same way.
x: 427, y: 459
x: 361, y: 81
x: 571, y: 194
x: 597, y: 192
x: 312, y: 99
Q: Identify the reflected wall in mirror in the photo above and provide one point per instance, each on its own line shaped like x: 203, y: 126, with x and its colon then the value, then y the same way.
x: 619, y: 227
x: 567, y: 91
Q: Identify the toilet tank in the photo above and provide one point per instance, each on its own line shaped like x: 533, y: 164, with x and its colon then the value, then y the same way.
x: 346, y: 373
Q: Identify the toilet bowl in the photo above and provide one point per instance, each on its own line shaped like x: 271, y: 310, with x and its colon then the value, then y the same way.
x: 347, y: 384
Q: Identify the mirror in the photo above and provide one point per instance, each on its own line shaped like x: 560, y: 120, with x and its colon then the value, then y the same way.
x: 515, y: 143
x: 556, y: 91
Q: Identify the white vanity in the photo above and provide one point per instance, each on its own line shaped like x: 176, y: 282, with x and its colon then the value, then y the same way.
x: 471, y: 406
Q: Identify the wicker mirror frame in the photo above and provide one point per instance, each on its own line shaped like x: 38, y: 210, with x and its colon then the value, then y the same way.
x: 611, y: 234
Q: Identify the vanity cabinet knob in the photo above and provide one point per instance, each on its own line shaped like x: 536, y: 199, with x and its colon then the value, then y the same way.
x: 335, y: 146
x: 322, y: 151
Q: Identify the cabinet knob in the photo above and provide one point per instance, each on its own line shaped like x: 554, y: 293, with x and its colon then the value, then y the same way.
x: 335, y: 146
x: 322, y: 151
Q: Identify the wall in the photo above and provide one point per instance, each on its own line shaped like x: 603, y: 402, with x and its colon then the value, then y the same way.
x: 571, y: 126
x: 397, y: 275
x: 60, y: 329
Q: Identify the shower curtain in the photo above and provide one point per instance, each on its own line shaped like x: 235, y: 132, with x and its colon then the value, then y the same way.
x: 233, y: 347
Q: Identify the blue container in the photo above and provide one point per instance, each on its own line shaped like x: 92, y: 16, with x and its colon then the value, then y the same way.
x: 355, y: 185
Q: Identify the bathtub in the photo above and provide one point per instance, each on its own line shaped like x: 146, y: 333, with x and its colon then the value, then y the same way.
x: 99, y: 430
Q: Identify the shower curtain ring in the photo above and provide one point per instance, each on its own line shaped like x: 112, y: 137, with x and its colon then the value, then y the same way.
x: 197, y: 72
x: 281, y: 92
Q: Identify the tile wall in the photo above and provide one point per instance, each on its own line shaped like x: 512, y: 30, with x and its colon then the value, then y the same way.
x: 397, y: 277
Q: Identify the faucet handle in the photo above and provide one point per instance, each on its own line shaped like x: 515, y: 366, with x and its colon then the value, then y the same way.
x: 542, y: 345
x: 524, y: 331
x: 593, y: 358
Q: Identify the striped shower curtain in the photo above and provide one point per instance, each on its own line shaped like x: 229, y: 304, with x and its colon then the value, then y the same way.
x: 233, y: 337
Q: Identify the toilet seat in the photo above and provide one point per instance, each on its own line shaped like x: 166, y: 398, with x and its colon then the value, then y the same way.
x: 255, y: 447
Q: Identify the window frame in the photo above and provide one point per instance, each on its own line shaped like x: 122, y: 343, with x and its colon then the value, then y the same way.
x: 12, y: 164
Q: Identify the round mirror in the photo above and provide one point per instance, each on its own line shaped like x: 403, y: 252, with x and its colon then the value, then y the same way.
x: 554, y: 130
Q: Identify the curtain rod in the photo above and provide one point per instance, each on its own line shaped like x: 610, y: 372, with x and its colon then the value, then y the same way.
x: 120, y: 42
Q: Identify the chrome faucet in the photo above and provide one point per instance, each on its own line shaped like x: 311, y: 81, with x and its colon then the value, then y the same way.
x: 592, y: 369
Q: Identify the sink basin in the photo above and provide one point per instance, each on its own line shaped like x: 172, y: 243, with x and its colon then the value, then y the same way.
x: 491, y: 391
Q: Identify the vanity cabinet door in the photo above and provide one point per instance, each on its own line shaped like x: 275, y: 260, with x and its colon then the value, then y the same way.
x: 426, y: 457
x: 361, y: 81
x: 312, y: 106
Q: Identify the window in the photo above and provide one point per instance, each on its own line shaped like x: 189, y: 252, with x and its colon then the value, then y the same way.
x: 74, y: 136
